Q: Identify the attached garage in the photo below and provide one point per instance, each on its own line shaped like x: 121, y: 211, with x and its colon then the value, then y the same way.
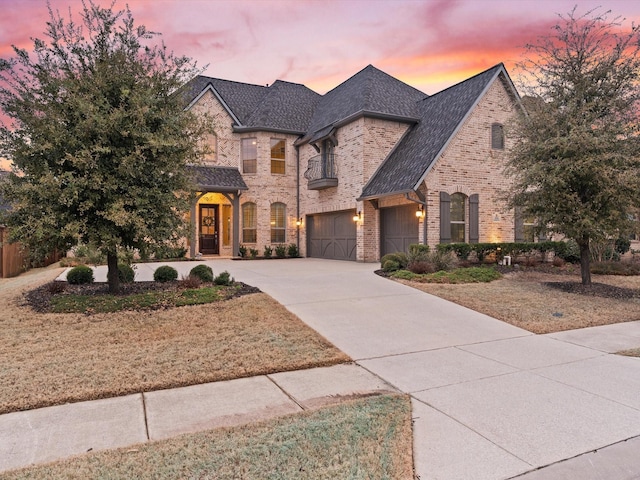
x: 332, y: 235
x: 398, y: 229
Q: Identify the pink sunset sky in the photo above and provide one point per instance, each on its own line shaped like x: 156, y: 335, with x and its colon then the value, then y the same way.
x: 429, y: 44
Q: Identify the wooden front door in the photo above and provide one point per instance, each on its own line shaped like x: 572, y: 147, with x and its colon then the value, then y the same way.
x: 209, y: 229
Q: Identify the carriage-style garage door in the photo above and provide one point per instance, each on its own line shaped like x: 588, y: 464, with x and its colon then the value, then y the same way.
x: 332, y: 235
x: 398, y: 229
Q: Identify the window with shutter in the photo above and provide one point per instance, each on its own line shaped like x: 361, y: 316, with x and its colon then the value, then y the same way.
x: 457, y: 217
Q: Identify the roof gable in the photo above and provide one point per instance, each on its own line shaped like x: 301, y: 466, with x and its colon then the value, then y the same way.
x: 441, y: 116
x: 370, y: 91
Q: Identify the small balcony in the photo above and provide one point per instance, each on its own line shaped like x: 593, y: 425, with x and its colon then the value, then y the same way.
x: 322, y: 172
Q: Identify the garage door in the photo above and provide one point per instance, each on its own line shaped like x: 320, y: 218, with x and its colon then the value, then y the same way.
x: 398, y: 229
x: 332, y: 235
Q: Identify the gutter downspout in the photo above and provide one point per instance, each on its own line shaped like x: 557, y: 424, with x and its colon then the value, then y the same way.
x: 298, y: 196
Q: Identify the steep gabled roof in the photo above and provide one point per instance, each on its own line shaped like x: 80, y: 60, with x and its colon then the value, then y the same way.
x: 283, y: 106
x: 441, y: 116
x: 369, y: 92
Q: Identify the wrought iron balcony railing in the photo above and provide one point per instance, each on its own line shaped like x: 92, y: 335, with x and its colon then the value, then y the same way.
x: 322, y: 172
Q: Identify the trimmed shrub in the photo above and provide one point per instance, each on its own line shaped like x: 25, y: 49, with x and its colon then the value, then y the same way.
x: 292, y: 250
x: 422, y: 266
x: 390, y: 266
x: 80, y: 275
x: 281, y: 251
x: 253, y: 253
x: 203, y: 272
x: 399, y: 257
x: 223, y: 279
x: 615, y: 268
x: 126, y: 274
x: 165, y: 273
x: 242, y: 251
x: 268, y: 251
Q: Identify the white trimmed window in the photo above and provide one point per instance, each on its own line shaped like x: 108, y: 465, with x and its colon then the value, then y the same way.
x: 249, y: 155
x: 278, y: 156
x: 278, y: 222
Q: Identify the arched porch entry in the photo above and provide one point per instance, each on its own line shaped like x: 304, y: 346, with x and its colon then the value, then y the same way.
x: 216, y: 222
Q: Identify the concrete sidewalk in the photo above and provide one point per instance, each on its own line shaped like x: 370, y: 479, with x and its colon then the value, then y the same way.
x: 47, y: 434
x: 490, y: 401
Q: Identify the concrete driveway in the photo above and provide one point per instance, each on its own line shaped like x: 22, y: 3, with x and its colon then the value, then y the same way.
x: 490, y: 401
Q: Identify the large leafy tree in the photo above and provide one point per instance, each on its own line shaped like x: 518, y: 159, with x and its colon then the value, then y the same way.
x: 576, y: 161
x: 98, y: 136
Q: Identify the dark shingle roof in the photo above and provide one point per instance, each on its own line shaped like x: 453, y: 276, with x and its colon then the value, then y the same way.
x: 282, y: 106
x: 440, y: 117
x: 285, y: 106
x: 219, y: 179
x: 370, y: 91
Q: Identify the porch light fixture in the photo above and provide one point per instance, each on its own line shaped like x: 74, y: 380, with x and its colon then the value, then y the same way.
x: 299, y: 221
x: 357, y: 216
x: 420, y: 211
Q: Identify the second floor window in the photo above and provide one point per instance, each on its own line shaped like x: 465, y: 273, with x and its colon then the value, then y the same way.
x: 277, y: 156
x: 249, y: 155
x: 497, y: 136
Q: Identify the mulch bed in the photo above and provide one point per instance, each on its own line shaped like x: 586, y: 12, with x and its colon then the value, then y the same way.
x: 595, y: 290
x: 39, y: 299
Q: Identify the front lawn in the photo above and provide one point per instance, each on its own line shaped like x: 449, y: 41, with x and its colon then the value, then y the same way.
x: 54, y: 358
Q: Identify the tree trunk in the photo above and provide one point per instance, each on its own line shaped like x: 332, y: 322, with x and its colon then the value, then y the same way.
x: 585, y: 260
x: 112, y: 273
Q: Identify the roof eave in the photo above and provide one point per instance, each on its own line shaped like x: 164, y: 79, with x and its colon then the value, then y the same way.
x: 211, y: 88
x: 381, y: 195
x: 243, y: 129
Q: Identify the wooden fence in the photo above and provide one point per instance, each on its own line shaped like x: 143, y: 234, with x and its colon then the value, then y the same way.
x: 13, y: 259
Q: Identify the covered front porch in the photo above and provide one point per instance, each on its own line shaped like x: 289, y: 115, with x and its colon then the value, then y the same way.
x: 215, y: 211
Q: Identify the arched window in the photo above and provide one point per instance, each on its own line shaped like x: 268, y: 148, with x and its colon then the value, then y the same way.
x: 458, y: 218
x: 249, y: 222
x: 278, y: 222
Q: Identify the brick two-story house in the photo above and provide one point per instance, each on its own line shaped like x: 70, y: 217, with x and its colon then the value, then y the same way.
x: 366, y: 169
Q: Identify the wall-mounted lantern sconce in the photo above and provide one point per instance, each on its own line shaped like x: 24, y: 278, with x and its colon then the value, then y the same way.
x: 357, y: 216
x: 299, y: 221
x: 420, y: 211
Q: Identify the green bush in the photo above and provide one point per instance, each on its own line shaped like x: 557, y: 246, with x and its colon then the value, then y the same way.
x: 390, y: 265
x: 253, y: 253
x: 165, y: 273
x: 163, y: 251
x: 281, y: 251
x: 242, y: 251
x: 267, y: 251
x: 80, y: 275
x: 570, y: 253
x: 203, y: 272
x: 418, y: 253
x: 399, y: 257
x: 622, y: 245
x: 459, y: 275
x: 126, y: 274
x: 223, y: 279
x: 292, y: 250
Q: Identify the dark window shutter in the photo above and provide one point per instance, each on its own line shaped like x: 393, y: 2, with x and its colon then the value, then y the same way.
x: 519, y: 225
x: 474, y: 218
x: 445, y: 218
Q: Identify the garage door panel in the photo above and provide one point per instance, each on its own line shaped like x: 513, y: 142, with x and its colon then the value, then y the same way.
x: 332, y: 236
x: 398, y: 228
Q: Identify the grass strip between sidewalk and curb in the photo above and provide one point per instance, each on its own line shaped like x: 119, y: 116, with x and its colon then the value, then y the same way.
x: 359, y: 439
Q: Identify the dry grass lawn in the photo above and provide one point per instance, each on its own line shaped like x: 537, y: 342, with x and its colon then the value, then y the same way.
x: 49, y: 359
x: 361, y: 439
x: 523, y: 299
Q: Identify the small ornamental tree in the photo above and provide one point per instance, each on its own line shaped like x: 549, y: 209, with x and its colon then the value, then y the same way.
x: 576, y: 159
x: 98, y: 137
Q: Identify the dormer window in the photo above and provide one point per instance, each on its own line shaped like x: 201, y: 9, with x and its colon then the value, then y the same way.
x: 497, y: 136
